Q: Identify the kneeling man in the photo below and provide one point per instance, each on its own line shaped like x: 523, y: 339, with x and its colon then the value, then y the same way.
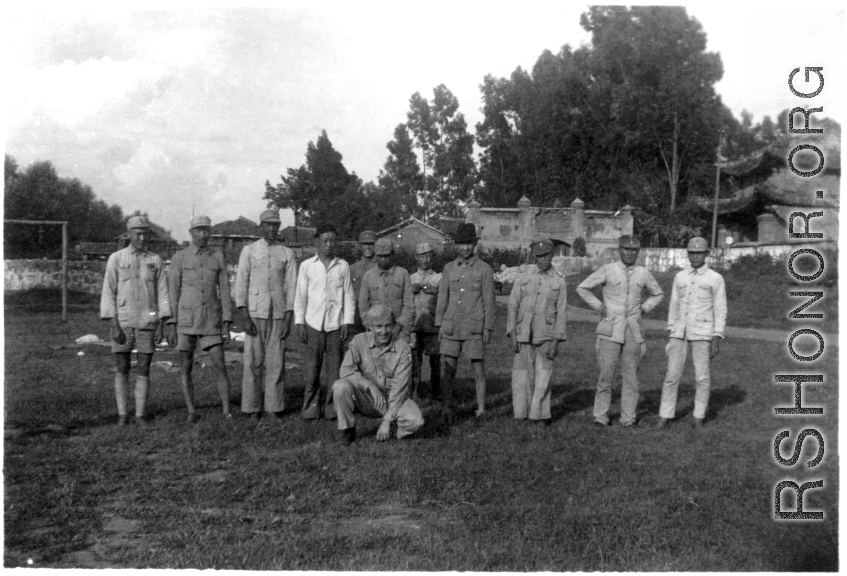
x: 375, y: 377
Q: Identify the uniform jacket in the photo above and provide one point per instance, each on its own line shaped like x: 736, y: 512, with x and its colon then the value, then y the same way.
x: 537, y: 306
x: 324, y: 296
x: 465, y: 299
x: 426, y: 299
x: 198, y: 283
x: 698, y: 304
x: 366, y: 363
x: 391, y: 288
x: 135, y: 290
x: 267, y: 274
x: 357, y: 272
x: 622, y: 289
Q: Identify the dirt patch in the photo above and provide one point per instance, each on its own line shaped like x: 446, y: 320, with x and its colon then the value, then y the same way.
x: 121, y: 525
x: 216, y: 476
x: 386, y: 517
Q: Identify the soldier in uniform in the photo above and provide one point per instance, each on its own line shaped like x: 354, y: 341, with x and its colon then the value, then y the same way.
x: 696, y: 318
x: 390, y: 286
x: 465, y: 315
x: 198, y: 283
x: 264, y: 296
x: 536, y: 324
x: 374, y: 380
x: 424, y: 340
x: 357, y: 272
x: 134, y: 301
x: 619, y: 333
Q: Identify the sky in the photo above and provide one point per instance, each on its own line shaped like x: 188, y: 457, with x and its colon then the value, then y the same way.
x: 176, y: 110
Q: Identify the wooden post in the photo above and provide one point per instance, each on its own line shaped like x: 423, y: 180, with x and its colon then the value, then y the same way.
x: 717, y: 190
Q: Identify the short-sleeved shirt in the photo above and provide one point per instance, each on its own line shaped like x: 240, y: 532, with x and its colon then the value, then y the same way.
x: 465, y: 304
x: 135, y: 289
x: 199, y: 288
x: 391, y: 288
x: 389, y: 368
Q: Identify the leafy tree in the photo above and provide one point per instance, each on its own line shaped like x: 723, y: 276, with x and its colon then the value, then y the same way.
x: 38, y: 193
x: 401, y: 179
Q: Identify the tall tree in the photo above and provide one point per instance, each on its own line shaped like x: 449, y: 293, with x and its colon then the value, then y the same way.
x: 401, y: 176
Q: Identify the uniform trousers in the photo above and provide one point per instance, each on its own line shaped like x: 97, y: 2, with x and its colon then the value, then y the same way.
x: 677, y: 351
x: 264, y: 368
x: 321, y: 347
x: 608, y: 354
x: 531, y: 374
x: 427, y: 343
x: 351, y: 399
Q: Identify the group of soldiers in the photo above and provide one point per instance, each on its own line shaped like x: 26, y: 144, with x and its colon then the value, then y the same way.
x: 387, y: 320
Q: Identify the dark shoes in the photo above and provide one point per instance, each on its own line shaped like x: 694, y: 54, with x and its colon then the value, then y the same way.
x: 347, y: 436
x: 600, y: 424
x: 698, y: 423
x: 192, y: 418
x: 122, y: 419
x: 141, y: 421
x: 663, y: 423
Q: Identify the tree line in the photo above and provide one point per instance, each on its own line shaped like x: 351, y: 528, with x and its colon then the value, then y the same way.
x: 632, y: 118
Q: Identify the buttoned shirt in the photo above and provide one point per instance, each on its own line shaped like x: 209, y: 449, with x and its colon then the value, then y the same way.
x: 465, y: 304
x: 391, y: 288
x: 324, y: 295
x: 697, y: 310
x: 622, y: 290
x: 390, y: 368
x: 537, y: 306
x: 198, y: 283
x: 426, y: 298
x: 357, y: 272
x: 266, y: 278
x: 135, y: 290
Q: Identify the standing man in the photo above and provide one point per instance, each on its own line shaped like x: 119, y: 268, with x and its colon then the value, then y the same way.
x: 696, y: 318
x: 375, y: 380
x: 390, y: 286
x: 425, y: 283
x: 536, y: 324
x: 264, y: 295
x: 619, y: 334
x: 465, y: 314
x: 135, y: 301
x: 357, y: 272
x: 198, y: 283
x: 323, y: 313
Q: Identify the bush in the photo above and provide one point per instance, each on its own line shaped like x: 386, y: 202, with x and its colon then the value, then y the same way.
x: 578, y: 248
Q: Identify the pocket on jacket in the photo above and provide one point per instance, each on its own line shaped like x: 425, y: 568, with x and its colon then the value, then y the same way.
x: 124, y: 272
x: 606, y: 327
x: 476, y: 326
x: 185, y: 316
x: 447, y: 327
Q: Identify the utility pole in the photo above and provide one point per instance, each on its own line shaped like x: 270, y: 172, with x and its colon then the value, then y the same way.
x: 719, y: 161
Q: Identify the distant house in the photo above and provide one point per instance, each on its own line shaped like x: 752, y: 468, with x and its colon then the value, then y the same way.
x: 769, y: 193
x: 161, y: 242
x: 297, y: 236
x: 231, y: 236
x: 96, y: 250
x: 411, y: 232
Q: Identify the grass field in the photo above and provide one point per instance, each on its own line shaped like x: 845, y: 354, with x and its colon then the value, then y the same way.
x: 502, y: 495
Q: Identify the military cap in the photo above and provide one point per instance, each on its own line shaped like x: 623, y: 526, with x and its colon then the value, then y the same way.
x: 199, y: 221
x: 378, y: 314
x: 465, y: 234
x: 367, y: 237
x: 629, y: 242
x: 542, y: 247
x: 383, y: 247
x: 269, y: 215
x: 137, y: 222
x: 423, y: 248
x: 698, y: 244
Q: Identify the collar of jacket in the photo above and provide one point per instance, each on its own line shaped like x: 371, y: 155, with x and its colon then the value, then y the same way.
x: 388, y: 272
x: 196, y: 249
x: 701, y: 270
x: 470, y: 261
x: 133, y: 250
x: 274, y: 243
x: 317, y: 259
x: 626, y: 268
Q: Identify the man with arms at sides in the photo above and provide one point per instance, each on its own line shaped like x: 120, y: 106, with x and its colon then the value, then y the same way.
x: 198, y: 283
x: 390, y: 286
x: 619, y: 333
x: 465, y: 315
x: 425, y: 283
x: 375, y: 380
x: 536, y: 324
x: 134, y: 301
x: 323, y: 314
x: 264, y: 295
x: 696, y: 318
x: 366, y: 261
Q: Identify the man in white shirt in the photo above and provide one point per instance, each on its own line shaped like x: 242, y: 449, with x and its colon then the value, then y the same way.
x: 696, y: 318
x: 324, y: 310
